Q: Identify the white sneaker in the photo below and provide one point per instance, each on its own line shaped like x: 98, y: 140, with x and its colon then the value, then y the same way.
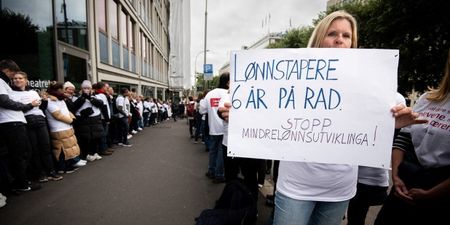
x: 140, y: 129
x: 79, y: 164
x: 97, y: 156
x: 134, y: 132
x: 83, y: 161
x: 2, y: 201
x: 129, y: 136
x: 90, y: 158
x: 2, y: 197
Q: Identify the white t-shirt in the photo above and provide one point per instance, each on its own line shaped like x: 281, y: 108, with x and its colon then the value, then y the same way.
x: 105, y: 102
x: 54, y: 124
x: 223, y: 100
x: 140, y: 107
x: 212, y: 101
x: 27, y: 97
x: 316, y: 181
x: 432, y: 140
x: 203, y: 108
x: 7, y: 115
x: 125, y: 103
x: 377, y: 176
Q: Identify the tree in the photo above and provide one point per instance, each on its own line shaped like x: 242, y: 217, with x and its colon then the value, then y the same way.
x: 420, y: 29
x: 295, y: 38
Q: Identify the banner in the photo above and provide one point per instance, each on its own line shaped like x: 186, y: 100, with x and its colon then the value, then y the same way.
x: 314, y: 105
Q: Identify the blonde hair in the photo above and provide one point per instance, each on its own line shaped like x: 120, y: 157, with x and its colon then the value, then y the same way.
x: 23, y: 74
x: 442, y: 91
x: 320, y: 31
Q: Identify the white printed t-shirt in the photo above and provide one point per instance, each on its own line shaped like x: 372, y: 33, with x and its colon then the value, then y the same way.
x: 212, y: 101
x: 432, y: 140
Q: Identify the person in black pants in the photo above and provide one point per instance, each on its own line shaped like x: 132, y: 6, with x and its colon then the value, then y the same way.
x: 13, y: 131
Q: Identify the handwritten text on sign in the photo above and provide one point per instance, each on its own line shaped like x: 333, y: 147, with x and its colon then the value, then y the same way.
x: 318, y: 105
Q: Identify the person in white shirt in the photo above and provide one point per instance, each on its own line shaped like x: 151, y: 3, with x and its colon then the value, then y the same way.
x: 88, y: 125
x: 319, y: 193
x: 13, y: 131
x: 64, y: 143
x: 216, y: 129
x: 124, y: 115
x: 101, y: 94
x: 421, y: 164
x: 41, y: 166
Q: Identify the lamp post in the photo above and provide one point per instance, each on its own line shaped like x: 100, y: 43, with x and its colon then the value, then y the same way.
x: 204, y: 46
x: 195, y: 65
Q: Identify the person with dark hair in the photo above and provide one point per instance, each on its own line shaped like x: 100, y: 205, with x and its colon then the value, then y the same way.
x: 216, y: 129
x: 190, y: 114
x: 101, y: 94
x: 41, y: 167
x: 124, y: 114
x: 13, y: 131
x: 59, y: 118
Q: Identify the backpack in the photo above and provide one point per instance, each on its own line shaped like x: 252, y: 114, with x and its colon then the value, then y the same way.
x: 235, y: 206
x: 190, y: 110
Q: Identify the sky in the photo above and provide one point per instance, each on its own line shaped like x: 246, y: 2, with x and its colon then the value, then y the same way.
x: 232, y: 24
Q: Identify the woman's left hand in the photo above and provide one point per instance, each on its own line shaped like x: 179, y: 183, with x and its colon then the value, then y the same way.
x: 404, y: 116
x: 417, y: 193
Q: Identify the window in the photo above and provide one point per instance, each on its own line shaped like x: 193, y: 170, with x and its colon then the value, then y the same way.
x: 71, y: 22
x: 113, y: 19
x: 101, y: 15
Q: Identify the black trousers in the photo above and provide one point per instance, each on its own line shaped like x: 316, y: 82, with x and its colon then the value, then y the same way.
x: 42, y: 162
x: 248, y: 167
x: 366, y: 196
x: 14, y: 136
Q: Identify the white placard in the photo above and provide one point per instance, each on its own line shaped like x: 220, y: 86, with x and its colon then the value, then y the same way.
x: 314, y: 105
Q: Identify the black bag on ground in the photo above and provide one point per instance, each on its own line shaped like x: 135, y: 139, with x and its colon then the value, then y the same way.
x: 236, y: 206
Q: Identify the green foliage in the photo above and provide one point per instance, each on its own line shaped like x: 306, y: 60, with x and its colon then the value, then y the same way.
x: 420, y: 29
x: 295, y: 38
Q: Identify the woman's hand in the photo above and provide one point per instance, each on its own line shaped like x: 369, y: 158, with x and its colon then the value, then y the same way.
x: 404, y: 116
x: 224, y: 111
x: 400, y: 188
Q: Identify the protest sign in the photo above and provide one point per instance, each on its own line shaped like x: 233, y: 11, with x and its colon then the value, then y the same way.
x: 314, y: 105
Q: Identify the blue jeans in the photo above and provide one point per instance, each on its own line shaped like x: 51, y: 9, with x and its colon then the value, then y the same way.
x: 289, y: 211
x: 215, y: 155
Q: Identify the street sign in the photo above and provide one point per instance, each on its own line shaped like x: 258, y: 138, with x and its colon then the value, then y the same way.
x: 208, y: 71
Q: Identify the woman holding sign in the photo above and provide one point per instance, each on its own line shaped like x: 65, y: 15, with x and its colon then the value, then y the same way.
x: 315, y: 193
x: 421, y: 164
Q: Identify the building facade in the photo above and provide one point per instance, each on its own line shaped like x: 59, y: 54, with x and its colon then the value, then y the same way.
x: 122, y: 42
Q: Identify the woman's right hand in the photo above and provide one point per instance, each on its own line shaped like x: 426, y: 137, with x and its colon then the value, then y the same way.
x: 224, y: 111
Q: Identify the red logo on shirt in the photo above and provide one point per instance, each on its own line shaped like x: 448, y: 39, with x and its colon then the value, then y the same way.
x: 214, y: 102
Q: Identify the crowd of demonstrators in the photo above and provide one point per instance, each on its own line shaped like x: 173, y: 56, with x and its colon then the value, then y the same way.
x: 46, y: 135
x: 314, y: 193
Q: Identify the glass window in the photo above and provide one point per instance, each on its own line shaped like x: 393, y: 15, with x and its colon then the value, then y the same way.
x: 103, y: 41
x: 115, y: 53
x: 113, y: 19
x: 75, y: 69
x: 123, y: 28
x: 100, y: 12
x: 30, y: 44
x: 71, y: 22
x: 131, y: 35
